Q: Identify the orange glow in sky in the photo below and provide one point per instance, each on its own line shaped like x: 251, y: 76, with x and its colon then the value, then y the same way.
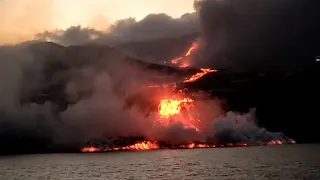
x: 21, y: 19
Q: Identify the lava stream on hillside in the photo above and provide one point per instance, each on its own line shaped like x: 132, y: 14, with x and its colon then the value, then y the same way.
x: 171, y: 108
x: 184, y: 61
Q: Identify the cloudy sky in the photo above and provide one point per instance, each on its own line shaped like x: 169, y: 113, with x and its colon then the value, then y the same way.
x: 21, y: 19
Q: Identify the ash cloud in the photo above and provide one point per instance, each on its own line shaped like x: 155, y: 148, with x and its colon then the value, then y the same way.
x: 59, y: 96
x: 153, y: 26
x: 241, y: 34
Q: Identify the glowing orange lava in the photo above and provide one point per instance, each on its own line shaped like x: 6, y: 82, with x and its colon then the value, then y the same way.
x: 140, y: 146
x: 193, y: 47
x: 145, y: 145
x: 193, y: 145
x: 176, y: 61
x: 275, y: 142
x: 90, y: 149
x: 182, y: 61
x: 278, y: 142
x: 148, y: 145
x: 199, y: 75
x: 171, y: 107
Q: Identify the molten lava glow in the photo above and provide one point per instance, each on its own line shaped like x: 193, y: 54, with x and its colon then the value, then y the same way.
x: 275, y: 142
x: 199, y: 75
x: 139, y: 146
x: 193, y: 47
x: 176, y: 61
x: 278, y: 142
x: 171, y: 107
x: 184, y: 65
x: 146, y: 145
x: 182, y: 61
x: 90, y: 149
x: 193, y: 145
x: 291, y: 141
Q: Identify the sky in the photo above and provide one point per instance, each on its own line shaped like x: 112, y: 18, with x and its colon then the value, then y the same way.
x: 21, y: 19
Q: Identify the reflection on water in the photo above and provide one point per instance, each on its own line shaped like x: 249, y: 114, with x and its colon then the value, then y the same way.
x: 256, y: 163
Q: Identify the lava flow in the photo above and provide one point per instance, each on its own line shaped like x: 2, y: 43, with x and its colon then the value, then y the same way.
x: 139, y: 146
x: 199, y: 75
x: 174, y: 108
x: 182, y: 61
x: 169, y: 108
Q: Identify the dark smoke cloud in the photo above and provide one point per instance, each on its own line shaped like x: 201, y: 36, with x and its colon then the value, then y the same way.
x: 249, y: 33
x: 152, y: 26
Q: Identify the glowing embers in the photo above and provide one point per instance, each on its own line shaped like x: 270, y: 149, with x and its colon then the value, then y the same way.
x: 204, y: 145
x: 199, y: 75
x: 193, y: 145
x: 90, y: 149
x: 149, y: 145
x: 139, y: 146
x: 278, y: 142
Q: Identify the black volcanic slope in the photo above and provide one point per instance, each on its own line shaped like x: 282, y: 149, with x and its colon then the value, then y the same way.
x: 286, y: 97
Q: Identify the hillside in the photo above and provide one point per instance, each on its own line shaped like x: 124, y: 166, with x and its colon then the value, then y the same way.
x: 285, y: 96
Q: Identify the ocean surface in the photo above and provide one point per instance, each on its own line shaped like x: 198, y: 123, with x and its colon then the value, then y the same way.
x: 286, y: 162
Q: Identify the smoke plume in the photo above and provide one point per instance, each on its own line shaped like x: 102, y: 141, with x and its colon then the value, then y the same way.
x: 241, y: 34
x: 153, y: 26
